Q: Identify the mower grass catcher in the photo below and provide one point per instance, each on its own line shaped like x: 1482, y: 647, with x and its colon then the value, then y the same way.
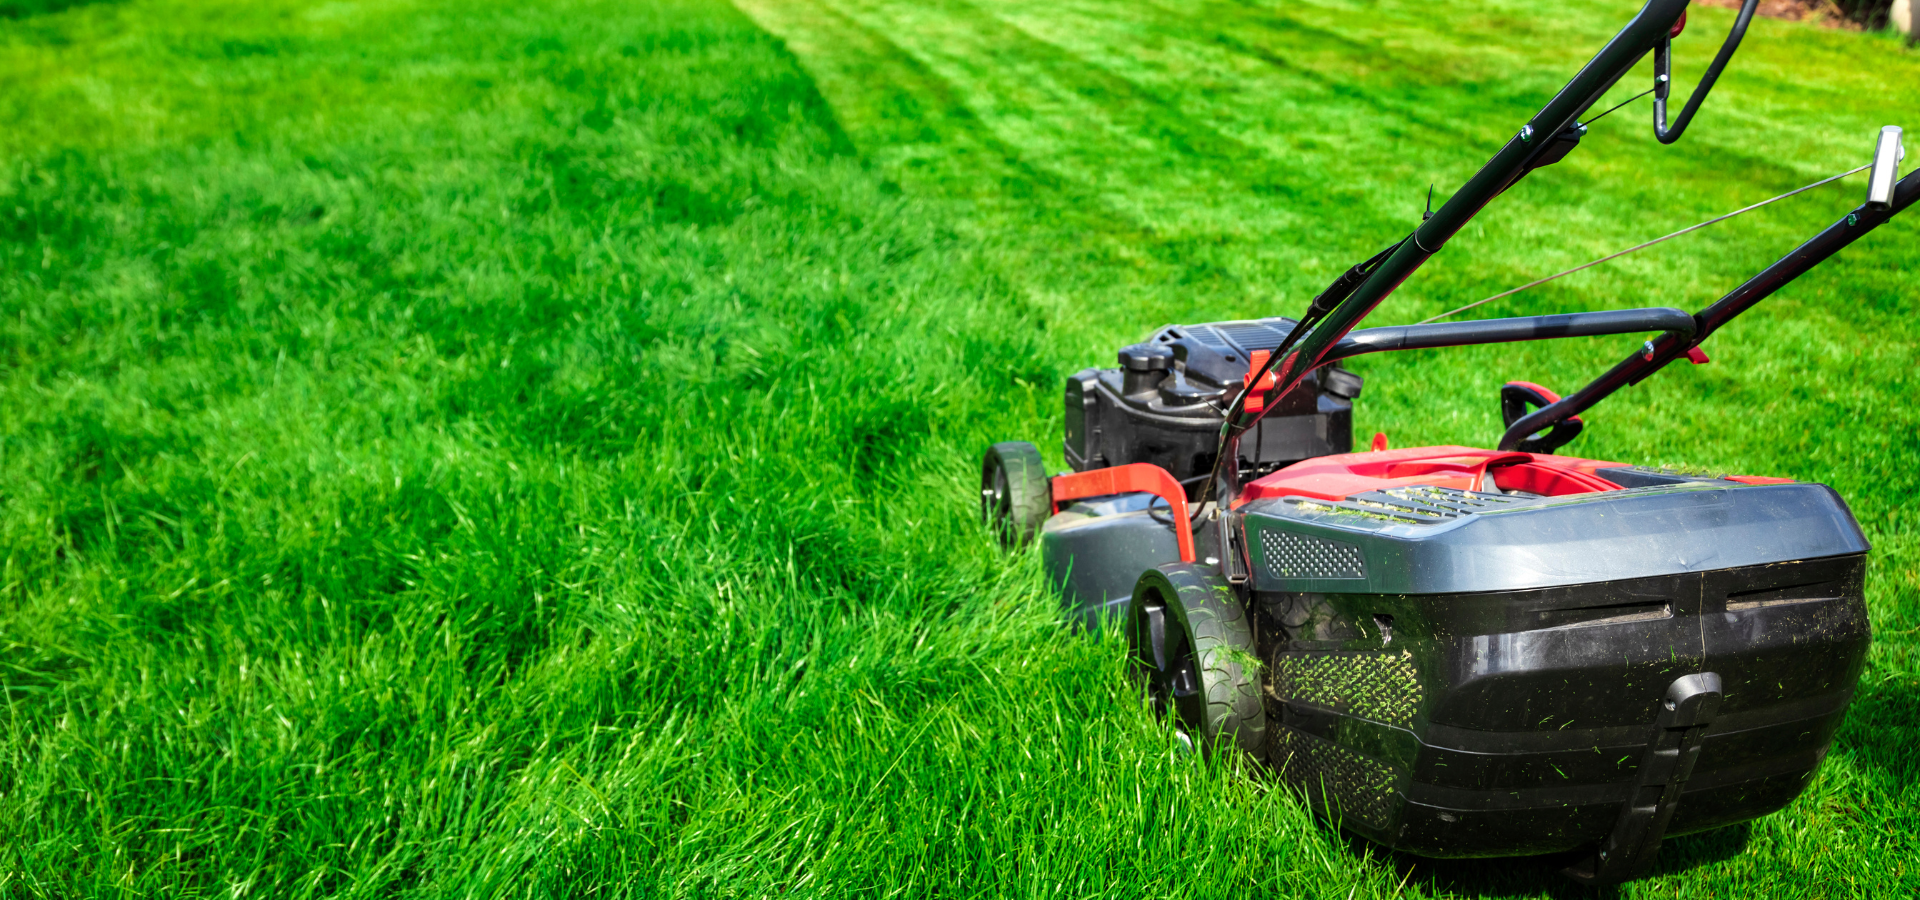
x: 1461, y: 651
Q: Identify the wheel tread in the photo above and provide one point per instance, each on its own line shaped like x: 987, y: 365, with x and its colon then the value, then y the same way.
x: 1222, y: 637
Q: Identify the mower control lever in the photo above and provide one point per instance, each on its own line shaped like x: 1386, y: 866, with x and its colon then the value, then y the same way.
x: 1887, y: 154
x: 1518, y: 398
x: 1663, y: 76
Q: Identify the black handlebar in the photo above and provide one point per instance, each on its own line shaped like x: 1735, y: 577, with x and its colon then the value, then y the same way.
x: 1674, y: 324
x: 1658, y: 353
x: 1663, y: 77
x: 1653, y: 24
x: 1521, y: 154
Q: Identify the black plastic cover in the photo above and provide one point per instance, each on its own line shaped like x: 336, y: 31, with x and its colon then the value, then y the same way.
x: 1164, y: 404
x: 1095, y: 549
x: 1492, y: 683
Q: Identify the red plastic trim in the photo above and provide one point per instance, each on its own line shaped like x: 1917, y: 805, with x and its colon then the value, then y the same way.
x: 1466, y: 468
x: 1551, y: 396
x: 1551, y: 481
x: 1257, y: 391
x: 1475, y: 471
x: 1760, y: 479
x: 1697, y: 356
x: 1128, y: 479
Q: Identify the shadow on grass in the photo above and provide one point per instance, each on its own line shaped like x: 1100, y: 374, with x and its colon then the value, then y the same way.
x: 1539, y: 876
x: 1880, y: 731
x: 20, y: 9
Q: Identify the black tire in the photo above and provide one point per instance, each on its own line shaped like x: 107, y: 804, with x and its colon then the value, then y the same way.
x: 1193, y: 647
x: 1014, y: 497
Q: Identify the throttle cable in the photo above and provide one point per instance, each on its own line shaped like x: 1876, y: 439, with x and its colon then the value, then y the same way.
x: 1644, y: 246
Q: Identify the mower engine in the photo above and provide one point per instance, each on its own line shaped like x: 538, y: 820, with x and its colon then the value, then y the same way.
x: 1166, y: 401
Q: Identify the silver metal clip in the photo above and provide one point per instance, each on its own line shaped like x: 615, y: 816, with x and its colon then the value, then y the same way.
x: 1887, y: 155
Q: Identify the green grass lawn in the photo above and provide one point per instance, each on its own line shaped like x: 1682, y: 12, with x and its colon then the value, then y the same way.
x: 487, y: 448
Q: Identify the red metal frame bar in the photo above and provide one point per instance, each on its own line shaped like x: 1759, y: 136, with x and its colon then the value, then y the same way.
x: 1129, y: 479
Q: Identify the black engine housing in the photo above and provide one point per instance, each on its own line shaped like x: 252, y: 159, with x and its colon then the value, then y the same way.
x: 1164, y: 404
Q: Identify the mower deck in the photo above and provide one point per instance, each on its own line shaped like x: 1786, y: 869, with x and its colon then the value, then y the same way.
x: 1467, y: 652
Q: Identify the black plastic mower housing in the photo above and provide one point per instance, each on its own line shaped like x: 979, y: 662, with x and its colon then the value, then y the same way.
x: 1490, y: 683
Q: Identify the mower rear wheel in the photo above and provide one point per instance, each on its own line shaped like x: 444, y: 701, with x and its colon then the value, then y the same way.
x: 1193, y: 647
x: 1014, y: 498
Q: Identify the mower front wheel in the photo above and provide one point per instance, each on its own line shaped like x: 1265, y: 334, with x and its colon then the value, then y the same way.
x: 1193, y: 647
x: 1014, y: 498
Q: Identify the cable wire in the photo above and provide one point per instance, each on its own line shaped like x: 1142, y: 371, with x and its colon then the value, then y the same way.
x: 1335, y: 294
x: 1644, y: 246
x: 1620, y: 104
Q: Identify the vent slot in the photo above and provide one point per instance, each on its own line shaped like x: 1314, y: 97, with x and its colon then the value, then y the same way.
x: 1252, y: 336
x: 1589, y: 616
x: 1292, y: 555
x: 1210, y: 336
x: 1799, y: 593
x: 1381, y: 686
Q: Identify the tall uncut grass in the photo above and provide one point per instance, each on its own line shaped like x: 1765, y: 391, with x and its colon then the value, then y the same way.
x: 483, y: 449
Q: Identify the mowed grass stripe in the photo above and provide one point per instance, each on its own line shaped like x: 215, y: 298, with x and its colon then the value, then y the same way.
x: 912, y: 122
x: 1428, y: 118
x: 1146, y: 160
x: 564, y: 495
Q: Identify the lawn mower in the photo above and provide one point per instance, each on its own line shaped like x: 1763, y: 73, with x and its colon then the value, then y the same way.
x: 1458, y: 651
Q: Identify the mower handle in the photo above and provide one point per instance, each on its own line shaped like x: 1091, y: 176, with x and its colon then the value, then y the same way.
x: 1513, y: 161
x: 1659, y: 352
x: 1525, y: 151
x: 1673, y: 323
x: 1663, y: 77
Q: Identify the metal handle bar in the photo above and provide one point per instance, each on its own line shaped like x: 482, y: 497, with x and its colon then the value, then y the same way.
x: 1512, y: 162
x: 1674, y: 324
x: 1663, y: 77
x: 1508, y: 165
x: 1634, y: 368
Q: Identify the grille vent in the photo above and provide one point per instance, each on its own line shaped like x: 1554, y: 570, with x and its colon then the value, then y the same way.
x: 1230, y: 336
x: 1252, y: 335
x: 1416, y: 505
x: 1380, y: 686
x: 1361, y: 787
x: 1292, y: 555
x: 1207, y: 334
